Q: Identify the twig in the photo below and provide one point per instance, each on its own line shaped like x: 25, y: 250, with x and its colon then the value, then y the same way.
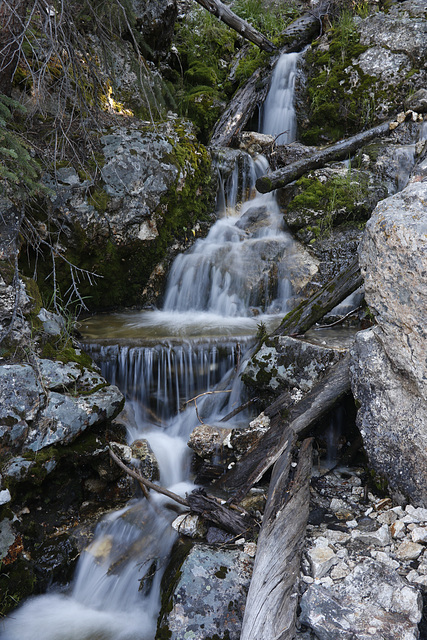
x: 148, y: 483
x: 238, y: 409
x: 206, y: 393
x: 326, y: 326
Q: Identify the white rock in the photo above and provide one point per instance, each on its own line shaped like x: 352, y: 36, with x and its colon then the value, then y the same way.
x: 385, y: 559
x: 5, y: 496
x: 381, y: 537
x: 398, y: 511
x: 412, y: 576
x: 341, y: 570
x: 326, y: 582
x: 338, y: 505
x: 351, y: 524
x: 307, y: 579
x: 421, y: 580
x: 418, y: 513
x: 321, y: 560
x: 419, y: 534
x: 336, y: 537
x: 189, y: 525
x: 408, y: 550
x: 387, y: 517
x: 250, y: 549
x: 397, y: 529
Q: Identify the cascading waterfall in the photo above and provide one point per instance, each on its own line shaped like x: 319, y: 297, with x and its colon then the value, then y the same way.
x: 221, y: 284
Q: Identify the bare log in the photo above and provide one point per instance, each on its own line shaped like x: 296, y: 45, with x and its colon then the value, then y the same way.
x: 339, y: 151
x: 271, y: 604
x: 300, y: 419
x: 219, y: 514
x: 253, y: 93
x: 224, y: 13
x: 308, y: 312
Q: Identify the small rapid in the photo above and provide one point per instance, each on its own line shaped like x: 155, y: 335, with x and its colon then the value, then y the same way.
x: 217, y: 294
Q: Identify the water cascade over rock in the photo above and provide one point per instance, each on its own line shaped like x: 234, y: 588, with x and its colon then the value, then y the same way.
x: 223, y: 286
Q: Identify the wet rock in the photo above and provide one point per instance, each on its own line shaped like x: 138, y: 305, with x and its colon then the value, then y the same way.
x: 147, y: 462
x: 189, y: 525
x: 207, y: 441
x: 418, y: 101
x: 243, y: 438
x: 253, y: 142
x: 208, y: 595
x: 286, y: 363
x: 372, y: 601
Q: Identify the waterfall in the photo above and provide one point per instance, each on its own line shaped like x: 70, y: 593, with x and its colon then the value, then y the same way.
x: 278, y: 113
x: 223, y: 286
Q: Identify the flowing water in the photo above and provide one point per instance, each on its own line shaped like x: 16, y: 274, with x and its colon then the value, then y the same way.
x: 217, y: 294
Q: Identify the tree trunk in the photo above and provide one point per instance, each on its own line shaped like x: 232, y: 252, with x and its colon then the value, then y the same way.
x: 246, y: 30
x: 339, y: 151
x: 12, y: 22
x: 272, y: 600
x: 304, y: 316
x: 253, y: 93
x: 300, y: 419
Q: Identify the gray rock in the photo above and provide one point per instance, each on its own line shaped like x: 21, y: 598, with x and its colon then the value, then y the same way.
x: 207, y: 441
x: 389, y: 369
x: 209, y: 595
x: 34, y: 414
x: 417, y: 101
x: 286, y: 363
x: 393, y: 259
x: 147, y: 461
x: 7, y: 537
x: 392, y: 418
x: 372, y: 601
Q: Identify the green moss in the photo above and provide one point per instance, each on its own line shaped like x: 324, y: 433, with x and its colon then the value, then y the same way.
x: 337, y: 108
x: 100, y: 199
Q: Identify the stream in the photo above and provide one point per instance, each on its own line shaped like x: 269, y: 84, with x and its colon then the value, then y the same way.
x: 218, y: 294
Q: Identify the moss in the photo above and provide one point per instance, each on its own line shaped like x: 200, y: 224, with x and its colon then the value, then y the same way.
x: 99, y: 199
x: 337, y: 107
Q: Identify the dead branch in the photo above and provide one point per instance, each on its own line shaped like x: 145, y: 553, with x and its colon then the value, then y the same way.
x: 147, y: 483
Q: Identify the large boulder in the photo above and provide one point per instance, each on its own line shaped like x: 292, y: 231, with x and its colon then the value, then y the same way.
x: 389, y: 367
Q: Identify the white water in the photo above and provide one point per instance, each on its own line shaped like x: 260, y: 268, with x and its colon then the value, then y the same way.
x: 224, y: 281
x: 278, y: 113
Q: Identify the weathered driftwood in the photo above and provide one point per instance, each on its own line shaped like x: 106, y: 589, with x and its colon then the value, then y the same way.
x: 306, y: 314
x: 221, y: 515
x: 224, y: 13
x: 300, y: 419
x: 339, y: 151
x: 243, y: 104
x: 272, y: 600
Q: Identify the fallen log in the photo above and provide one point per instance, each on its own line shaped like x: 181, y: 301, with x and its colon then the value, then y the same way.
x: 300, y: 420
x: 224, y: 13
x: 308, y: 312
x: 339, y: 151
x: 246, y: 99
x: 219, y: 514
x: 272, y: 600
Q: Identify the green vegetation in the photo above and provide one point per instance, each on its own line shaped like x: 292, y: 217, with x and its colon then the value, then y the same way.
x: 336, y: 107
x: 19, y: 171
x: 205, y: 50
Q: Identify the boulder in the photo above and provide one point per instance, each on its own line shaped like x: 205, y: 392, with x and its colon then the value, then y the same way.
x: 389, y: 369
x: 207, y: 595
x: 372, y: 601
x: 51, y: 403
x: 146, y: 460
